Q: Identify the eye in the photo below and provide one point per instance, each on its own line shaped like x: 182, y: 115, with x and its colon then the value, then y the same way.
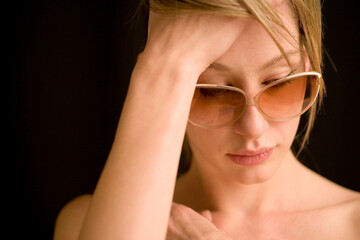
x: 267, y: 82
x: 212, y: 92
x: 282, y: 84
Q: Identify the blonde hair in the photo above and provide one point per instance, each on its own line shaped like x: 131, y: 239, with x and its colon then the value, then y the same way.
x: 306, y: 13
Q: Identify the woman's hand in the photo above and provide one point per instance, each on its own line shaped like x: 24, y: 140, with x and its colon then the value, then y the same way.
x: 185, y: 224
x: 197, y: 39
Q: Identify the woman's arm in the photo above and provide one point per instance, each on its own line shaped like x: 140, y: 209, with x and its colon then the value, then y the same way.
x: 133, y: 197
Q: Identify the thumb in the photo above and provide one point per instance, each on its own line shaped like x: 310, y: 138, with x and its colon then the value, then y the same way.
x: 206, y: 214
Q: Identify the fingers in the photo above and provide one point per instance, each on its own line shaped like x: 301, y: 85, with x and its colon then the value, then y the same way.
x: 185, y: 223
x: 191, y: 37
x: 207, y: 215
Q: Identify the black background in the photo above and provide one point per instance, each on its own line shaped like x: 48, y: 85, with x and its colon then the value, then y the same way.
x: 66, y: 74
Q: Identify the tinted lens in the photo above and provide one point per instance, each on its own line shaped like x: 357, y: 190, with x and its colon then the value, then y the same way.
x: 213, y: 106
x: 289, y: 98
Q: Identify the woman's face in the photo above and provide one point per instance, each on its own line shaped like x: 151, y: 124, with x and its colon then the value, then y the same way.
x: 251, y: 149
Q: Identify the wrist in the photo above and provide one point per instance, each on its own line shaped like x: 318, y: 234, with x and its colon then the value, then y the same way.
x: 163, y: 78
x: 179, y: 66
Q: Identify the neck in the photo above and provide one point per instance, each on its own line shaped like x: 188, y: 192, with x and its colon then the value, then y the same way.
x: 200, y: 190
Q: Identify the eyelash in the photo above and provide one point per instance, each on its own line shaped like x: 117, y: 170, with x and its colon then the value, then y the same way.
x: 273, y: 80
x: 263, y: 83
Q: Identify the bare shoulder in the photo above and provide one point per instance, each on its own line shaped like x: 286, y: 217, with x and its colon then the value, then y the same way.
x: 327, y: 192
x: 354, y: 208
x: 339, y: 207
x: 346, y: 216
x: 70, y: 219
x: 327, y: 210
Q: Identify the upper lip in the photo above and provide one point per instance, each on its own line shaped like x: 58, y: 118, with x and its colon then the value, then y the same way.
x: 251, y: 152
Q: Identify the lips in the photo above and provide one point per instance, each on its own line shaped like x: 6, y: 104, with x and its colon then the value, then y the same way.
x: 250, y: 157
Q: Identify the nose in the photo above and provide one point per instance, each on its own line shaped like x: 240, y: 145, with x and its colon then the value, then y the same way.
x: 251, y: 124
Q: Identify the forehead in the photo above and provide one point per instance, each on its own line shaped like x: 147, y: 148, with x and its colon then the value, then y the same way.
x: 255, y: 46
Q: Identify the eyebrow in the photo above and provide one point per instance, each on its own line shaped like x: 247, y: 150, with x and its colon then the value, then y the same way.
x: 219, y: 67
x: 277, y: 59
x: 225, y: 68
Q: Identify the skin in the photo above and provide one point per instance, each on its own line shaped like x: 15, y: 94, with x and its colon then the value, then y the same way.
x: 215, y: 199
x: 278, y: 198
x: 128, y: 197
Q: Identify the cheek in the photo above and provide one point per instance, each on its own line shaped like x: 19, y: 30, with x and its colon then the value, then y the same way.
x: 205, y: 143
x: 285, y: 132
x: 200, y: 138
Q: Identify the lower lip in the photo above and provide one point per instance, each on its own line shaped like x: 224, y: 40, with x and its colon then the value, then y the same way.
x: 245, y: 160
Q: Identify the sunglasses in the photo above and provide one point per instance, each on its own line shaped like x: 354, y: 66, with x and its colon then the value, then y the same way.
x: 215, y: 106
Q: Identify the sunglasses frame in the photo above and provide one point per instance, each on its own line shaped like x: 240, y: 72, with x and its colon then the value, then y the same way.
x: 253, y: 101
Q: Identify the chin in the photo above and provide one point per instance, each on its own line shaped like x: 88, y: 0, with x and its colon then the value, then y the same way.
x: 256, y: 174
x: 254, y: 179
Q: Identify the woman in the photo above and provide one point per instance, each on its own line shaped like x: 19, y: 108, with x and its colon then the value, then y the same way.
x: 235, y: 76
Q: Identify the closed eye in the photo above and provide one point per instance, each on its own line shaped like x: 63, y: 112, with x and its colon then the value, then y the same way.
x: 277, y: 79
x: 212, y: 92
x: 282, y: 84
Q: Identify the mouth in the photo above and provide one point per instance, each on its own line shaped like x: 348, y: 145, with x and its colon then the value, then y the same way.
x: 250, y: 157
